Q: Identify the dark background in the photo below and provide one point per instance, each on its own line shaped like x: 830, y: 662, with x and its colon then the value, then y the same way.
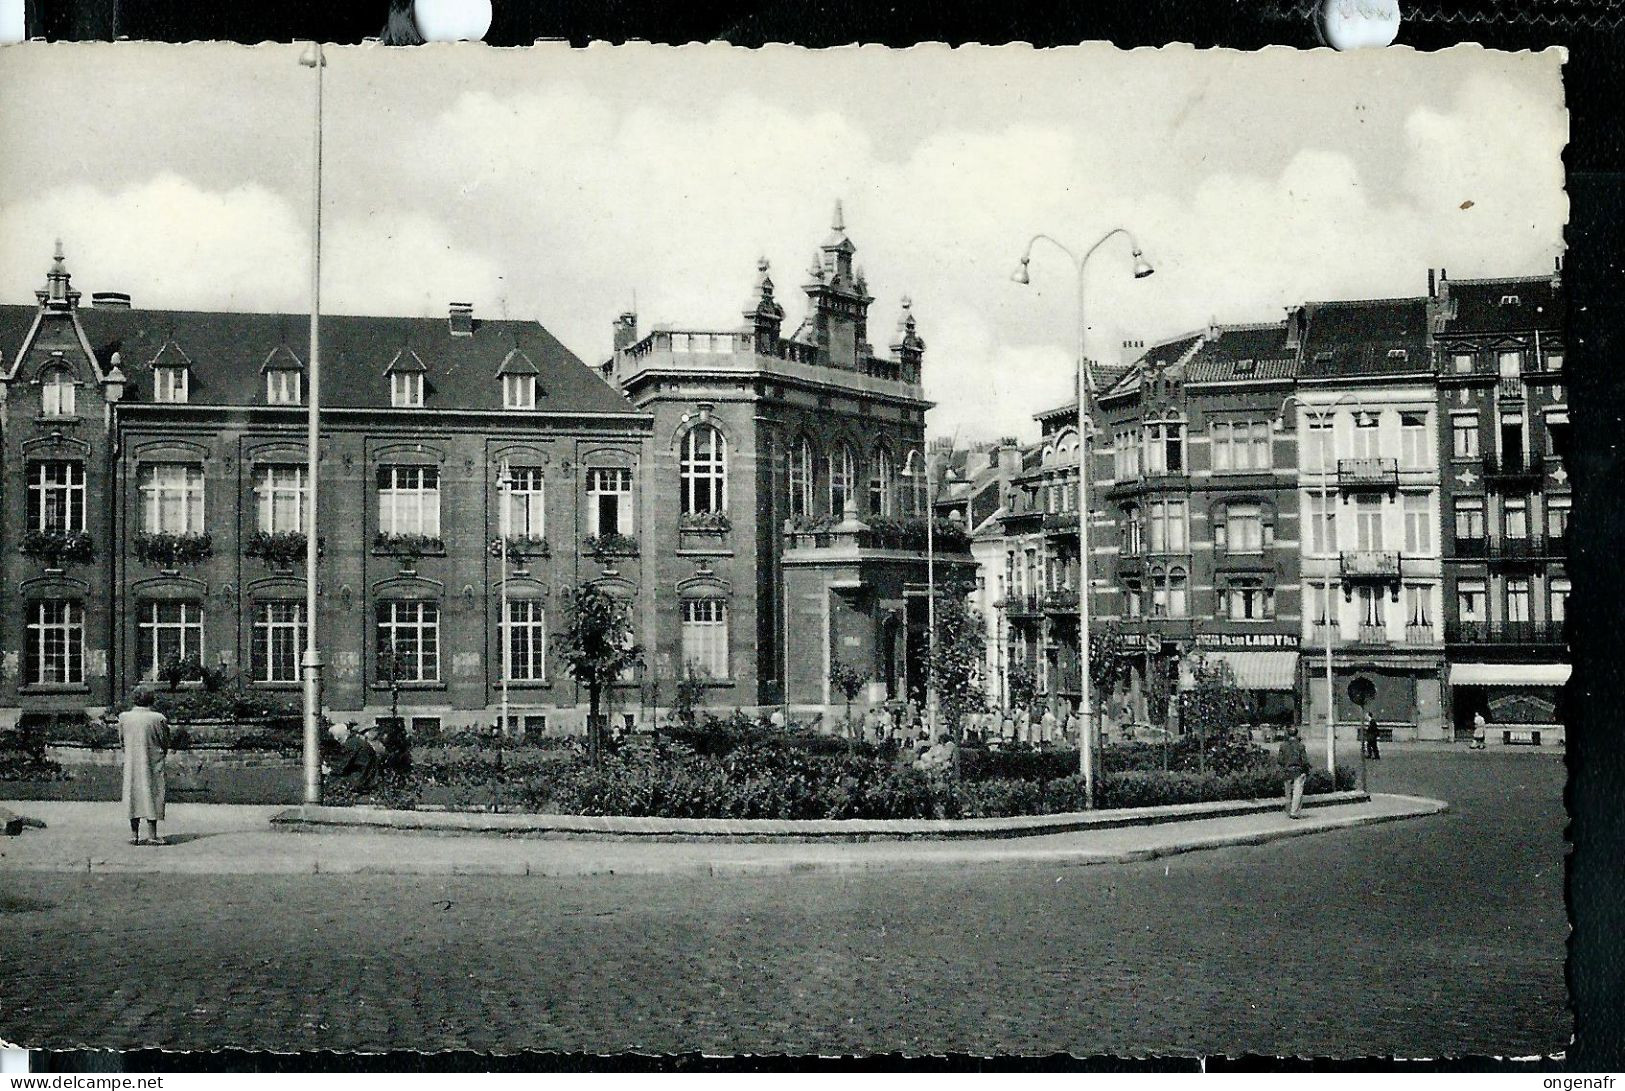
x: 1592, y: 32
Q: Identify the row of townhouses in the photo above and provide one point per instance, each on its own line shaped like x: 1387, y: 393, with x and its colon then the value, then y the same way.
x: 755, y: 494
x: 1383, y: 476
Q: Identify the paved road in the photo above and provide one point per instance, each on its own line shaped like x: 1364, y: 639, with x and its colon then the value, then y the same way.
x: 1438, y: 936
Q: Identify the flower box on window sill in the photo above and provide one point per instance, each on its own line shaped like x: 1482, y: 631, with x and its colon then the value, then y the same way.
x: 66, y: 418
x: 280, y: 549
x: 408, y: 687
x: 521, y: 546
x: 169, y: 551
x: 611, y: 545
x: 57, y: 549
x: 41, y: 689
x: 705, y: 522
x: 409, y: 546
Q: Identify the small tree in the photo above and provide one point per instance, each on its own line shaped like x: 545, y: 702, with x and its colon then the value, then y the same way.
x: 596, y: 645
x: 956, y: 667
x: 394, y: 667
x: 690, y: 695
x: 1021, y: 684
x: 849, y: 680
x: 1216, y: 707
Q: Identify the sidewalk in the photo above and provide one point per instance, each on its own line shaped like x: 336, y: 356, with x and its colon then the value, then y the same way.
x: 239, y: 840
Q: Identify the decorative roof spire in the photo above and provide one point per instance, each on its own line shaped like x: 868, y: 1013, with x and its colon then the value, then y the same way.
x: 839, y: 223
x: 58, y: 293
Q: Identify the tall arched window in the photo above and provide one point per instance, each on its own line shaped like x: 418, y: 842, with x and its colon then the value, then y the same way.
x: 914, y: 482
x: 801, y: 479
x: 704, y: 471
x: 840, y: 469
x: 881, y: 487
x: 56, y: 393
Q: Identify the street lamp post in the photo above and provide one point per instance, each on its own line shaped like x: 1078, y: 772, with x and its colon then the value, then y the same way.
x: 505, y: 634
x: 1322, y: 415
x: 1141, y: 269
x: 312, y: 661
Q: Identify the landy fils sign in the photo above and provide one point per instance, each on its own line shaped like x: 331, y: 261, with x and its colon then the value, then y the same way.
x: 1254, y: 641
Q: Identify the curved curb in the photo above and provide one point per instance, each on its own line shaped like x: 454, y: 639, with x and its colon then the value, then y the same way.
x: 316, y: 817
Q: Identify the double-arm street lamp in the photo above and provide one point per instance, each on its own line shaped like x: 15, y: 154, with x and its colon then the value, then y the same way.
x: 312, y: 661
x: 1141, y: 269
x: 1322, y: 412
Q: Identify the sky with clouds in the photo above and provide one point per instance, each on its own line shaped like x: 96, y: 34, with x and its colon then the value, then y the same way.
x: 559, y: 185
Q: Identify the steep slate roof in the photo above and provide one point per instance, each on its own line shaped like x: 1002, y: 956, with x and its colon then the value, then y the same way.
x: 228, y: 349
x: 1223, y: 359
x: 1157, y: 356
x: 1355, y: 338
x: 1477, y: 306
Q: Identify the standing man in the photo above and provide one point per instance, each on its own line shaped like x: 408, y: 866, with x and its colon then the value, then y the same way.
x: 1371, y: 736
x: 1480, y: 731
x: 1294, y: 761
x: 1046, y: 726
x: 145, y: 732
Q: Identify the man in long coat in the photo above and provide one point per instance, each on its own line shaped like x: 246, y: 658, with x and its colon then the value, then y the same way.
x: 145, y: 732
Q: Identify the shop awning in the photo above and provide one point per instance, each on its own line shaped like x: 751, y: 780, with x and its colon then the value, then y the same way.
x: 1509, y: 674
x: 1261, y: 670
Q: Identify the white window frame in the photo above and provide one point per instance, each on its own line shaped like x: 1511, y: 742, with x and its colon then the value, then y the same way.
x: 1473, y: 508
x: 705, y: 637
x: 1472, y: 601
x: 1322, y: 525
x: 58, y: 393
x: 1464, y: 440
x: 524, y: 641
x: 276, y: 485
x: 1248, y: 519
x: 172, y: 498
x: 527, y: 502
x: 1557, y: 600
x: 841, y: 469
x: 1368, y: 535
x: 519, y: 392
x: 409, y: 499
x: 406, y: 623
x: 1519, y: 506
x: 56, y: 487
x: 1367, y: 439
x: 1320, y: 434
x: 56, y: 634
x: 800, y: 479
x: 406, y: 389
x: 703, y: 472
x: 284, y: 386
x: 1417, y: 510
x: 180, y: 620
x: 171, y: 384
x: 1520, y: 590
x: 278, y: 641
x: 607, y: 481
x: 1416, y: 453
x: 1419, y: 605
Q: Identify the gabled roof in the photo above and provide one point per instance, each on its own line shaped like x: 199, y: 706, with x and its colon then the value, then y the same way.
x: 406, y: 361
x: 228, y: 351
x: 1240, y: 354
x: 1158, y: 356
x: 1365, y: 337
x: 1506, y: 305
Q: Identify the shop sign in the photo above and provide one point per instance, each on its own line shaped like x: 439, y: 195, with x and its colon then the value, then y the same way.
x: 1247, y: 641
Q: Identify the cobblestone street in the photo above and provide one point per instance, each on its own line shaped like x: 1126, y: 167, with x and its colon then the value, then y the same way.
x: 1437, y: 936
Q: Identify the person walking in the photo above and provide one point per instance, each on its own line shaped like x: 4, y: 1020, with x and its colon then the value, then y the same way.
x: 1046, y: 726
x: 1023, y: 725
x: 1480, y: 731
x: 145, y: 733
x: 1294, y: 759
x: 1371, y: 750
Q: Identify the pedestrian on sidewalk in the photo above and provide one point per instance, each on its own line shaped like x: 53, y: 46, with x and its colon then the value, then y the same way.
x: 1480, y: 731
x: 145, y: 733
x: 1294, y: 761
x: 1371, y: 750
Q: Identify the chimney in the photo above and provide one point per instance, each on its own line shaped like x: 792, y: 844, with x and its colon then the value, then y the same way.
x: 1213, y: 328
x: 1294, y: 328
x: 110, y: 301
x: 626, y: 331
x: 1557, y: 273
x: 461, y: 320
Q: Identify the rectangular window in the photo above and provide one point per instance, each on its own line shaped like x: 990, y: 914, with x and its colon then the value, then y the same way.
x: 705, y: 637
x: 609, y: 500
x: 1222, y: 459
x: 409, y: 500
x: 1319, y: 437
x: 167, y: 631
x: 526, y: 643
x: 1131, y: 597
x: 1464, y: 435
x: 1515, y: 518
x: 1368, y: 522
x: 1554, y: 361
x: 406, y: 389
x: 1322, y: 525
x: 54, y: 644
x: 282, y: 387
x: 1462, y: 362
x: 1512, y: 439
x: 56, y: 496
x: 1133, y: 531
x: 1178, y: 593
x: 1559, y: 608
x: 1241, y: 446
x: 1509, y: 364
x: 1416, y: 452
x: 1246, y: 600
x: 282, y: 500
x: 1369, y: 600
x: 408, y: 642
x: 1244, y: 528
x: 1367, y: 435
x: 1418, y: 523
x: 519, y: 391
x: 1469, y: 517
x: 278, y: 641
x: 1314, y: 597
x: 1470, y: 601
x: 1517, y: 599
x: 526, y: 507
x: 169, y: 384
x: 1418, y: 606
x: 172, y: 498
x: 1557, y: 517
x: 57, y: 393
x: 1168, y: 526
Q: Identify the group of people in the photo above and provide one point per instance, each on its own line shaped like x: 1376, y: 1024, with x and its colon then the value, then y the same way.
x: 904, y: 724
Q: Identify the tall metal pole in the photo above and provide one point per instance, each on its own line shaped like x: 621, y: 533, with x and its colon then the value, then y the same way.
x: 504, y: 629
x: 312, y: 657
x: 1086, y: 723
x: 930, y: 603
x: 1329, y: 516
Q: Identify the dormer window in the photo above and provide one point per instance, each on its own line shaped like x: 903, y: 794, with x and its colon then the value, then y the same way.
x: 1398, y: 354
x: 282, y: 387
x: 57, y: 390
x: 170, y: 384
x: 1510, y: 301
x: 519, y: 392
x: 1246, y: 367
x: 406, y: 389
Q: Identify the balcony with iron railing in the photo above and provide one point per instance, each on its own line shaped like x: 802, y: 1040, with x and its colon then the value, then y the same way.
x: 1020, y: 605
x: 1369, y: 564
x: 1528, y: 633
x: 1368, y: 473
x: 714, y: 346
x: 1509, y: 388
x: 1524, y: 468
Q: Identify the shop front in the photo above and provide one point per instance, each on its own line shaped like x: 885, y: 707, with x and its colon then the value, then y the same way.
x: 1266, y: 666
x: 1521, y: 703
